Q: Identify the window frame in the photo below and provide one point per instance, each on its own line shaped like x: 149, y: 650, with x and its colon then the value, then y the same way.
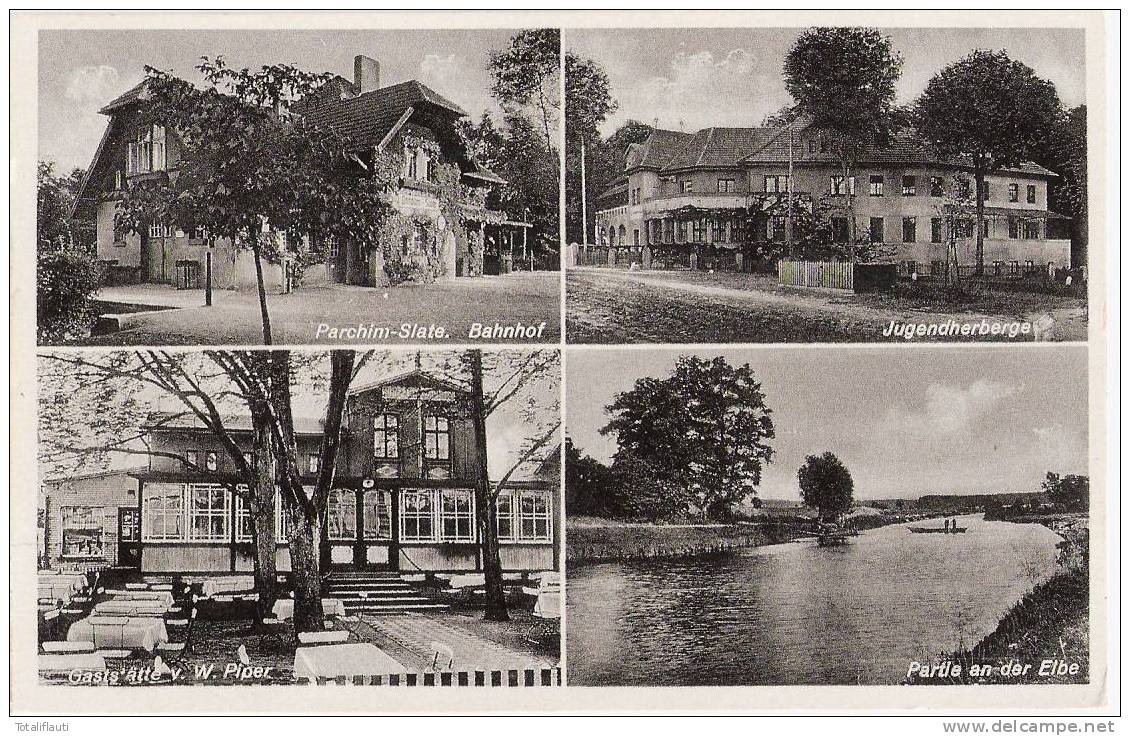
x: 417, y: 515
x: 210, y: 512
x: 387, y: 434
x: 1030, y: 194
x: 1013, y: 192
x: 937, y: 186
x: 912, y: 222
x: 515, y: 517
x: 96, y: 527
x: 726, y: 185
x: 909, y: 185
x: 875, y: 185
x: 165, y: 512
x: 332, y: 503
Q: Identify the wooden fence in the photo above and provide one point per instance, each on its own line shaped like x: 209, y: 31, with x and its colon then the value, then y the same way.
x: 815, y: 274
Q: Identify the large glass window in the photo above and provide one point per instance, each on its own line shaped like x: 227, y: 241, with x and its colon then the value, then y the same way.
x: 437, y: 438
x: 243, y: 523
x: 82, y: 532
x: 377, y: 513
x: 777, y: 184
x: 836, y: 186
x: 341, y: 514
x: 163, y: 518
x: 457, y: 522
x: 1013, y: 192
x: 210, y: 509
x: 416, y: 522
x: 504, y: 512
x: 146, y: 152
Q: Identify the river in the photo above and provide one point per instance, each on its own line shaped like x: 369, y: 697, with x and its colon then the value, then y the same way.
x: 800, y: 614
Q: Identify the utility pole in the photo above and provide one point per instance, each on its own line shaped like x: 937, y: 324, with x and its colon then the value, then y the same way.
x: 789, y: 189
x: 584, y: 200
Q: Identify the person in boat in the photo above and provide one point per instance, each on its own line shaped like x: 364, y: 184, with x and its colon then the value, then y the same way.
x: 946, y: 524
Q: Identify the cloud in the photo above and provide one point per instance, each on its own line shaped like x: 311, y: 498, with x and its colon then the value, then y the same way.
x: 97, y: 84
x: 701, y: 90
x: 948, y: 410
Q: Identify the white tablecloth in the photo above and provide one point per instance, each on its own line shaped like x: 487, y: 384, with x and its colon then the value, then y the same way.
x: 212, y: 586
x: 548, y: 604
x: 124, y: 607
x: 284, y: 608
x: 67, y: 662
x: 119, y: 632
x: 335, y: 660
x: 163, y: 597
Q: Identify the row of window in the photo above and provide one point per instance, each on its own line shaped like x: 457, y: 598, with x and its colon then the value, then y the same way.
x: 729, y: 231
x: 1023, y: 228
x: 876, y: 187
x: 202, y: 512
x: 199, y: 512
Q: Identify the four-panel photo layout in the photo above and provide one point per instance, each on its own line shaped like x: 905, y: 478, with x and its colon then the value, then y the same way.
x: 563, y: 357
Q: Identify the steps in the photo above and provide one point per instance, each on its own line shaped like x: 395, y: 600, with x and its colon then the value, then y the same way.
x: 376, y: 592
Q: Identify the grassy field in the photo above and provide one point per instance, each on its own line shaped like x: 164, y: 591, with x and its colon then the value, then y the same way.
x: 694, y: 306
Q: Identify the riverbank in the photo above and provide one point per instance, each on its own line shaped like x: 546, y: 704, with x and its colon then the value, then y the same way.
x: 592, y: 540
x: 1047, y: 629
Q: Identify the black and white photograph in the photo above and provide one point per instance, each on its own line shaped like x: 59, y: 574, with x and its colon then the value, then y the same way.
x: 298, y: 187
x: 826, y: 184
x: 527, y: 362
x: 361, y: 517
x: 801, y: 517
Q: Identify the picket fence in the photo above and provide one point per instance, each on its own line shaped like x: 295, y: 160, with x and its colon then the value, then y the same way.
x: 816, y: 274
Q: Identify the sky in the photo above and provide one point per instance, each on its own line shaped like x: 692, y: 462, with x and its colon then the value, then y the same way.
x: 509, y: 429
x: 80, y: 71
x: 906, y: 421
x: 695, y: 78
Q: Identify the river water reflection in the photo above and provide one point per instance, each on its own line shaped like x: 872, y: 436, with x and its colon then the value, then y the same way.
x: 800, y: 614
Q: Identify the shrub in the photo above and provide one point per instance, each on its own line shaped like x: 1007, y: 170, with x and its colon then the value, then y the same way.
x: 65, y: 283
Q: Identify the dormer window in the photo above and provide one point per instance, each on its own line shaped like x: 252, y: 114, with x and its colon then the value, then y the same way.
x: 411, y: 171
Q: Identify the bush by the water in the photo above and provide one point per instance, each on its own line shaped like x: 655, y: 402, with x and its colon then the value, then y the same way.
x: 66, y: 282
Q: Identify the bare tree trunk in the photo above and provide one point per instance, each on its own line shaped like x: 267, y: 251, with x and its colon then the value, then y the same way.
x: 485, y: 501
x: 305, y: 539
x: 256, y: 249
x: 263, y: 513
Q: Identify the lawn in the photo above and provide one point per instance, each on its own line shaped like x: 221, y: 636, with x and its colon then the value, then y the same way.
x: 605, y: 306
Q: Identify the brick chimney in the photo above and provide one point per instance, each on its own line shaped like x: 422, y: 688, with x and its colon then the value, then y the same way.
x: 366, y: 74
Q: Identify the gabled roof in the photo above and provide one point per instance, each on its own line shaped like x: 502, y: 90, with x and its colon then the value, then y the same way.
x: 107, y: 473
x: 416, y: 375
x: 137, y: 92
x: 366, y: 119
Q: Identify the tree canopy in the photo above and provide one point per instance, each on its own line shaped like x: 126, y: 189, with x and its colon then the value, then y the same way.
x: 990, y: 110
x: 826, y: 485
x: 527, y: 76
x: 703, y: 432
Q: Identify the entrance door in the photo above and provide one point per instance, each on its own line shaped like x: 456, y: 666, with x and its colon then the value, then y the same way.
x: 129, y: 538
x: 359, y: 531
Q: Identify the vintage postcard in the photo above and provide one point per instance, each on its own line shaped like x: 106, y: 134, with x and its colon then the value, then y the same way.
x: 592, y: 362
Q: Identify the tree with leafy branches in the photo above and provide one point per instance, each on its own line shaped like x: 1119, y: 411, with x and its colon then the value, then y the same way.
x: 527, y: 78
x: 843, y: 79
x: 988, y: 111
x: 705, y: 429
x: 826, y: 485
x: 588, y: 103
